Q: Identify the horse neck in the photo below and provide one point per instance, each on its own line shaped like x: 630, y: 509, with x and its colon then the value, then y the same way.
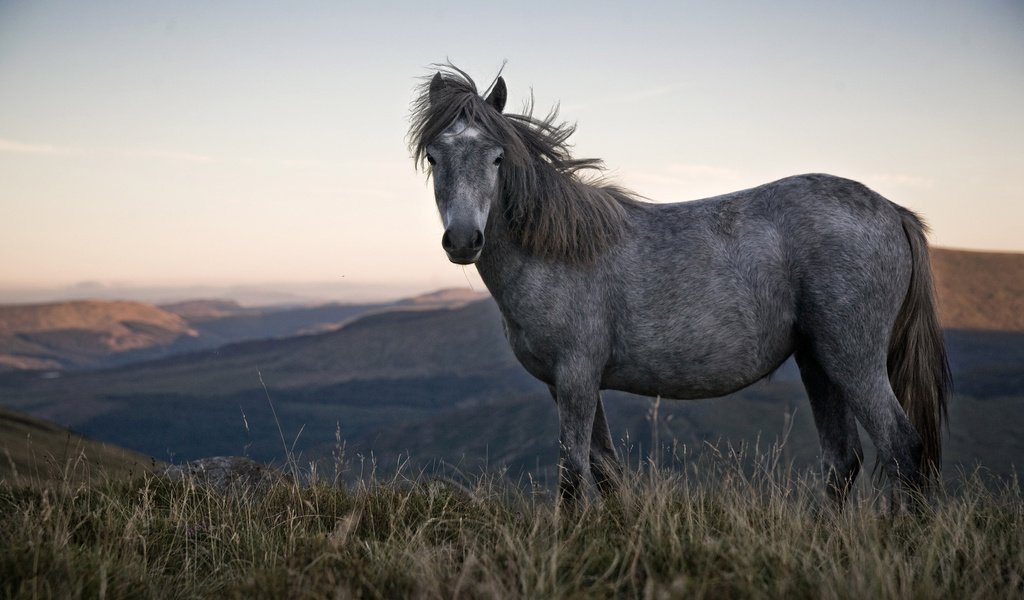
x: 502, y: 261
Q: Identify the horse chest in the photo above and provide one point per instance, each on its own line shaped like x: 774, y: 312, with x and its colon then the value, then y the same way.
x: 536, y: 356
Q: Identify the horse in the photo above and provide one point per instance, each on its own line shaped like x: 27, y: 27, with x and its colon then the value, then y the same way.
x: 599, y: 288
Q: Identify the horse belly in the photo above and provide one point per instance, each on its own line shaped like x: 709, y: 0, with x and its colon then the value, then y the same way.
x: 684, y: 381
x: 688, y: 365
x: 711, y: 321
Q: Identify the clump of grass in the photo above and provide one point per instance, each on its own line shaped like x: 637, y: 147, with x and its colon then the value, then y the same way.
x: 724, y: 527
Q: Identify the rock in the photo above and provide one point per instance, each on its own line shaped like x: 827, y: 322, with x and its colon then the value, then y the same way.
x: 225, y: 474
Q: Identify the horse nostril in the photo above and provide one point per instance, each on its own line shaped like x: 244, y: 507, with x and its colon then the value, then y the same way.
x: 446, y: 241
x: 478, y: 240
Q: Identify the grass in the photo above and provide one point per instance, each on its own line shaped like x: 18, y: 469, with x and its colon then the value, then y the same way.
x: 39, y: 453
x: 725, y: 526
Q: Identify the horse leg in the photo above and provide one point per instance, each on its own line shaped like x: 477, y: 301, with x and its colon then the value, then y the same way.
x: 604, y: 460
x: 846, y: 316
x: 577, y: 396
x: 841, y: 452
x: 869, y: 395
x: 899, y: 445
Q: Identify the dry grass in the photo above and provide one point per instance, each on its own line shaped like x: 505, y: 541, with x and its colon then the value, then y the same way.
x: 726, y: 527
x: 39, y: 453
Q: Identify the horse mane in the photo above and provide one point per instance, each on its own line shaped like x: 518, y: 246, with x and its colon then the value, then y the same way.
x: 552, y: 209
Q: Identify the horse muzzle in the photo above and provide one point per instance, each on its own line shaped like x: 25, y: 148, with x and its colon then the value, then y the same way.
x: 463, y: 246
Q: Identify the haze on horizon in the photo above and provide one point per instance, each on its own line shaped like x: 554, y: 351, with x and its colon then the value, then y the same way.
x: 149, y: 144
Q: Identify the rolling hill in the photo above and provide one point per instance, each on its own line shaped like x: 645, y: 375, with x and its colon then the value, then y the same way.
x: 102, y: 333
x: 204, y: 309
x: 85, y: 333
x: 38, y: 452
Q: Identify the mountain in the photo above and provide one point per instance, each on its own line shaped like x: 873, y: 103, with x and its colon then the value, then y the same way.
x: 979, y: 290
x: 236, y: 324
x: 449, y: 297
x: 84, y: 333
x: 204, y: 309
x: 103, y: 333
x: 39, y: 452
x: 392, y: 367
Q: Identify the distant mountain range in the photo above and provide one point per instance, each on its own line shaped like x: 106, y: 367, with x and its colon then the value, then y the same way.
x: 87, y: 334
x: 433, y: 378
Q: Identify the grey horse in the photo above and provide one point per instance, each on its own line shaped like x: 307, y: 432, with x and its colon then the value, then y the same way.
x: 599, y: 289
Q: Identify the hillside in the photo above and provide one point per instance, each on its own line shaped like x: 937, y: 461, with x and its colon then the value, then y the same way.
x: 202, y: 309
x: 84, y: 333
x: 99, y: 333
x: 38, y: 452
x: 449, y: 297
x: 979, y: 290
x: 239, y: 324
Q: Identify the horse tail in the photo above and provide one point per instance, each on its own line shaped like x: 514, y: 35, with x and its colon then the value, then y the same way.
x: 917, y: 363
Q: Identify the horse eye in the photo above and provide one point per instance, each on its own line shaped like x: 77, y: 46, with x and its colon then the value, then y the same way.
x: 497, y: 161
x: 430, y: 159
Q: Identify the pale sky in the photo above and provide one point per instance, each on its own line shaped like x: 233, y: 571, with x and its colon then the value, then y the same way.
x: 226, y: 143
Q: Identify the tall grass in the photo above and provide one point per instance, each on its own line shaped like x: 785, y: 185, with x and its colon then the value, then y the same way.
x: 725, y: 526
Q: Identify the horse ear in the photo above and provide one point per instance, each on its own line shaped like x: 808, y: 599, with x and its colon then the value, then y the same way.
x: 436, y: 85
x: 498, y: 95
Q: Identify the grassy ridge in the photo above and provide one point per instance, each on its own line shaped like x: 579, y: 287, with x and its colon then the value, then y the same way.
x: 39, y: 453
x: 717, y: 530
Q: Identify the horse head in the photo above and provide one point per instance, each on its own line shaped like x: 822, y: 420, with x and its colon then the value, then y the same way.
x: 465, y: 162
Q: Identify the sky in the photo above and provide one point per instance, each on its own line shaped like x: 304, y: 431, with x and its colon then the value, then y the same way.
x: 159, y: 144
